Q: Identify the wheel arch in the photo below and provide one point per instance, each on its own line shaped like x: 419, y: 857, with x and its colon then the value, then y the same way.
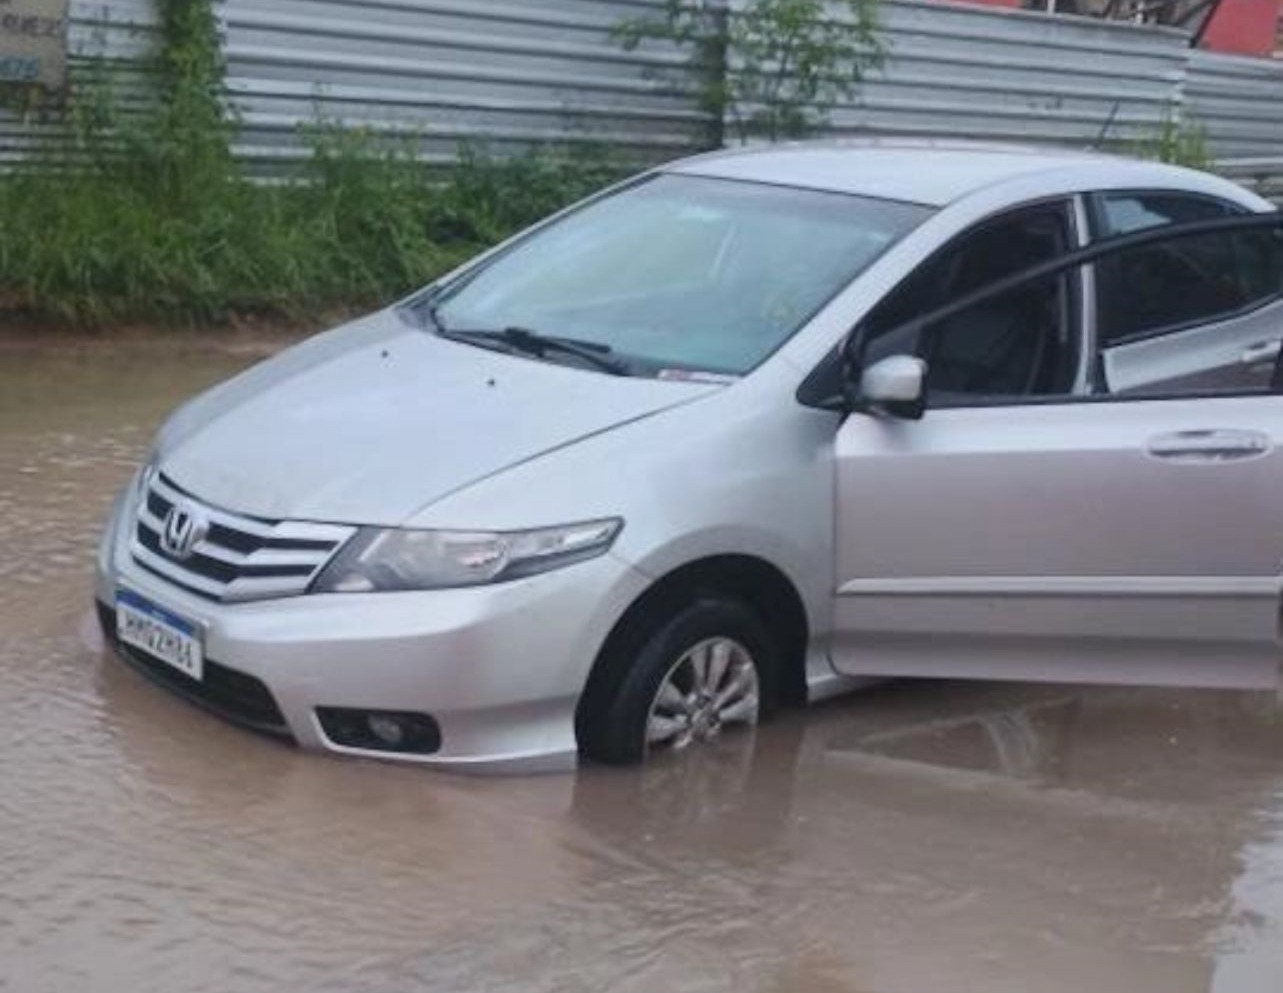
x: 755, y: 581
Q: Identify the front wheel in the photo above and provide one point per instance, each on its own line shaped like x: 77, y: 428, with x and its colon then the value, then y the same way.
x: 706, y: 669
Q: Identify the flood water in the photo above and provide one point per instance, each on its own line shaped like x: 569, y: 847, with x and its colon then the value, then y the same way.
x: 919, y: 837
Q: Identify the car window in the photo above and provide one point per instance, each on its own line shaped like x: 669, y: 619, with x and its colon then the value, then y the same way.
x: 1259, y: 256
x: 1224, y: 320
x: 1123, y: 213
x: 1192, y: 315
x: 1169, y: 286
x: 1017, y: 344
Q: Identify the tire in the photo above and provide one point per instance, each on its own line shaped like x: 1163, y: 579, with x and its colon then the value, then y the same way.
x: 614, y: 731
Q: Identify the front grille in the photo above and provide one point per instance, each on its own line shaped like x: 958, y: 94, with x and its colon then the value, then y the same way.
x: 239, y: 557
x: 228, y: 693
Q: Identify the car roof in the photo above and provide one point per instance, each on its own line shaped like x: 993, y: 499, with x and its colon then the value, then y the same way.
x: 925, y: 171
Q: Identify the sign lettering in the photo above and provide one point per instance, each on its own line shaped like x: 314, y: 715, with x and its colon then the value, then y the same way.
x: 33, y: 42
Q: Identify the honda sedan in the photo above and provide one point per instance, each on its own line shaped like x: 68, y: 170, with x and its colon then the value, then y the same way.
x: 743, y: 431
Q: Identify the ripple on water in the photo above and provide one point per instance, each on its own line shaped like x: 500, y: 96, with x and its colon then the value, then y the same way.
x: 919, y: 837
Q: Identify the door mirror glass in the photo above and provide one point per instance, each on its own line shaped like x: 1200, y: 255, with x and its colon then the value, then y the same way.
x: 895, y: 385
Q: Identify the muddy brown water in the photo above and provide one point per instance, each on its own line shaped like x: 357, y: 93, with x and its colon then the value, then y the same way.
x: 919, y: 837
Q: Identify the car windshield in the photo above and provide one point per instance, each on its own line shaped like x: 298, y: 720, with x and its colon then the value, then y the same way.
x: 679, y: 272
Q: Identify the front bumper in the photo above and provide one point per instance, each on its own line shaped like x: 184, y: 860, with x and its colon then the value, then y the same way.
x: 500, y: 668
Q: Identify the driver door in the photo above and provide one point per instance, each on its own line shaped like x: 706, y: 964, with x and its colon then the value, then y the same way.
x: 1023, y: 529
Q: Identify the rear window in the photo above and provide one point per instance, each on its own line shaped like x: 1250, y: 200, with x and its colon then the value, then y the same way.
x: 1188, y: 281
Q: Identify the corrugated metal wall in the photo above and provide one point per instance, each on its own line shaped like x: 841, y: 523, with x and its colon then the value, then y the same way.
x: 1239, y: 103
x: 510, y: 73
x: 972, y: 71
x: 518, y: 72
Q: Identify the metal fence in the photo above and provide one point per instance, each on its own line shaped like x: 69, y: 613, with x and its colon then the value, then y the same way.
x: 1239, y: 103
x: 510, y: 74
x: 515, y: 73
x: 971, y: 71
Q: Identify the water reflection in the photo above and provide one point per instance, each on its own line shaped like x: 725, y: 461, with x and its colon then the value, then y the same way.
x: 681, y: 806
x: 1027, y: 742
x: 1249, y: 957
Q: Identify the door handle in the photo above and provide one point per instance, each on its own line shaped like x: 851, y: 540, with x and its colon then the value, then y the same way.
x: 1208, y: 445
x: 1262, y: 351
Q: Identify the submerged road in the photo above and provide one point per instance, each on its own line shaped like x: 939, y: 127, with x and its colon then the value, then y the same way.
x: 919, y: 837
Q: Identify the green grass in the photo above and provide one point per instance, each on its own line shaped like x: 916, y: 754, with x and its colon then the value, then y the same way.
x: 135, y: 210
x: 125, y: 229
x: 1174, y: 141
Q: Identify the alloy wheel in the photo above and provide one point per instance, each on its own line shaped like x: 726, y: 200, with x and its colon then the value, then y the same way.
x: 713, y: 684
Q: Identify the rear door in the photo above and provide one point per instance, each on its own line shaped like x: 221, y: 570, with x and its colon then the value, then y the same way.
x: 1126, y: 530
x: 1194, y: 315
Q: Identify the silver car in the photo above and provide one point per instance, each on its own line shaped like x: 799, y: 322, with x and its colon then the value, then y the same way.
x: 743, y: 431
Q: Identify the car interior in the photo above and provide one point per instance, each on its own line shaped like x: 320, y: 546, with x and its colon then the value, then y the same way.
x: 1021, y: 343
x: 1165, y: 285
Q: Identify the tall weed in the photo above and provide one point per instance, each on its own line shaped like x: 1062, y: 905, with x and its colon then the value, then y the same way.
x: 129, y: 217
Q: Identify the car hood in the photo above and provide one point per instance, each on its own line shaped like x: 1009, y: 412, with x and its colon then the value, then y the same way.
x: 376, y: 420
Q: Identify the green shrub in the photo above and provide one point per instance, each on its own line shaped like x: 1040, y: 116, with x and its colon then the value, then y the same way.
x: 106, y: 239
x: 1173, y: 140
x: 772, y: 68
x: 484, y: 198
x: 137, y: 211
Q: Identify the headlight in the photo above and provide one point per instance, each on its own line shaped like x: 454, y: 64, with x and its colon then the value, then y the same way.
x: 397, y: 559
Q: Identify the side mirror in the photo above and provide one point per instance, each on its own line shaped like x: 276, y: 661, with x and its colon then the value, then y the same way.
x: 896, y: 386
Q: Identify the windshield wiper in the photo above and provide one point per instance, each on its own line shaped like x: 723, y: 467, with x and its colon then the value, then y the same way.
x: 533, y: 343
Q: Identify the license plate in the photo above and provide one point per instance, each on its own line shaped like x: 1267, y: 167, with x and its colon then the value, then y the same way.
x: 158, y: 632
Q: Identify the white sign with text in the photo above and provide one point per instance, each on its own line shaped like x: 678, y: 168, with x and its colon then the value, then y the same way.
x: 33, y: 42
